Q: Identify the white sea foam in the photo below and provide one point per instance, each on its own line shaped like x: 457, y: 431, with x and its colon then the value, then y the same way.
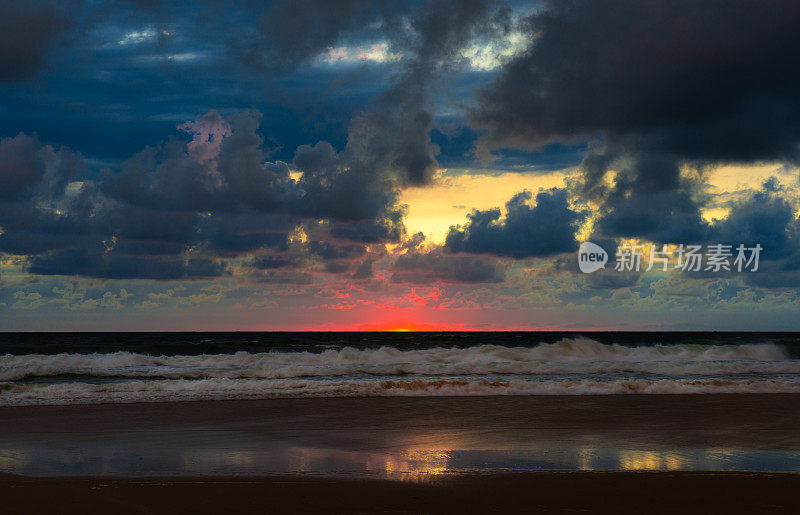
x: 224, y: 389
x: 577, y: 366
x: 568, y: 356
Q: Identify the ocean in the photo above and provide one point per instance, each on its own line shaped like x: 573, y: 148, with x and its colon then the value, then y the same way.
x: 93, y: 368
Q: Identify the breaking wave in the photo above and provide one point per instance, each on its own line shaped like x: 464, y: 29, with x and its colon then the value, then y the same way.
x: 229, y: 389
x: 578, y: 366
x: 580, y: 355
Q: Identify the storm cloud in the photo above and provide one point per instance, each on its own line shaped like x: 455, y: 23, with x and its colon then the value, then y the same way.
x: 290, y: 33
x: 180, y: 209
x: 659, y: 84
x: 651, y: 199
x: 545, y: 229
x: 389, y: 139
x: 432, y: 266
x: 702, y: 79
x: 28, y: 32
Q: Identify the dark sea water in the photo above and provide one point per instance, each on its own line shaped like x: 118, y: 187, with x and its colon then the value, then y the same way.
x: 194, y: 343
x: 63, y: 368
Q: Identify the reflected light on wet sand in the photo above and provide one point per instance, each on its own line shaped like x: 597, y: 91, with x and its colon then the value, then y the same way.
x: 413, y: 463
x: 650, y: 460
x: 417, y: 464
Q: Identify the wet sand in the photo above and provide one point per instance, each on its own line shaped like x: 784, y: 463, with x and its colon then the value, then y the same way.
x: 407, y: 454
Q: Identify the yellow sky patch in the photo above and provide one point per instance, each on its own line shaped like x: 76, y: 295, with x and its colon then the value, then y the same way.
x: 434, y: 208
x: 729, y: 178
x: 728, y: 182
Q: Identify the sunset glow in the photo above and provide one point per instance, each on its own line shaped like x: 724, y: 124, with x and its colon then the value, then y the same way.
x: 161, y: 173
x: 405, y: 256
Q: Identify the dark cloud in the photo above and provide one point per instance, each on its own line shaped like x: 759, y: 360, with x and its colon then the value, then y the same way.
x: 179, y: 210
x: 28, y: 168
x: 649, y: 199
x: 443, y: 28
x: 37, y: 213
x: 389, y: 143
x: 109, y: 265
x: 232, y: 234
x: 272, y: 262
x: 401, y: 122
x: 223, y: 168
x: 766, y: 219
x: 701, y: 79
x: 290, y: 33
x: 364, y: 270
x: 390, y: 140
x: 22, y: 166
x: 391, y: 137
x: 360, y: 200
x: 340, y: 188
x: 326, y: 250
x: 434, y: 266
x: 282, y: 277
x: 545, y: 229
x: 387, y: 227
x: 28, y: 32
x: 221, y: 195
x: 610, y: 279
x: 660, y: 84
x: 774, y: 277
x: 763, y: 217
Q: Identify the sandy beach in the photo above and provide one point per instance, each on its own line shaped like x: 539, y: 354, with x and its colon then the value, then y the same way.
x: 502, y: 492
x: 675, y: 452
x: 405, y: 437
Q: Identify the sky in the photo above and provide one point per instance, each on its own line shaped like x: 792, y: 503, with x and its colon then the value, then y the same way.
x: 384, y: 165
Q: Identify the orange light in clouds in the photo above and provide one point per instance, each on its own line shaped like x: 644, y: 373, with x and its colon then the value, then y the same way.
x: 407, y: 327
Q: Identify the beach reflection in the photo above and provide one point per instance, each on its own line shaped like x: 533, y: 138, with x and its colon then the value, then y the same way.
x: 649, y: 460
x: 12, y: 460
x: 415, y: 464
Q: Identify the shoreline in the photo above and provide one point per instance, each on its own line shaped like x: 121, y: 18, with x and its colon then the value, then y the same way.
x: 402, y: 437
x: 620, y: 453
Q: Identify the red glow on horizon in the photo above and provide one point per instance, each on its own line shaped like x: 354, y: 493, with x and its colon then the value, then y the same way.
x: 395, y: 322
x: 382, y: 319
x: 416, y: 311
x: 403, y: 327
x: 388, y: 326
x: 404, y: 324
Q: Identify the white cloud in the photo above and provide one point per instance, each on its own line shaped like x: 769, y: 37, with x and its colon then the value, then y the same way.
x: 377, y: 53
x: 138, y: 36
x: 486, y: 56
